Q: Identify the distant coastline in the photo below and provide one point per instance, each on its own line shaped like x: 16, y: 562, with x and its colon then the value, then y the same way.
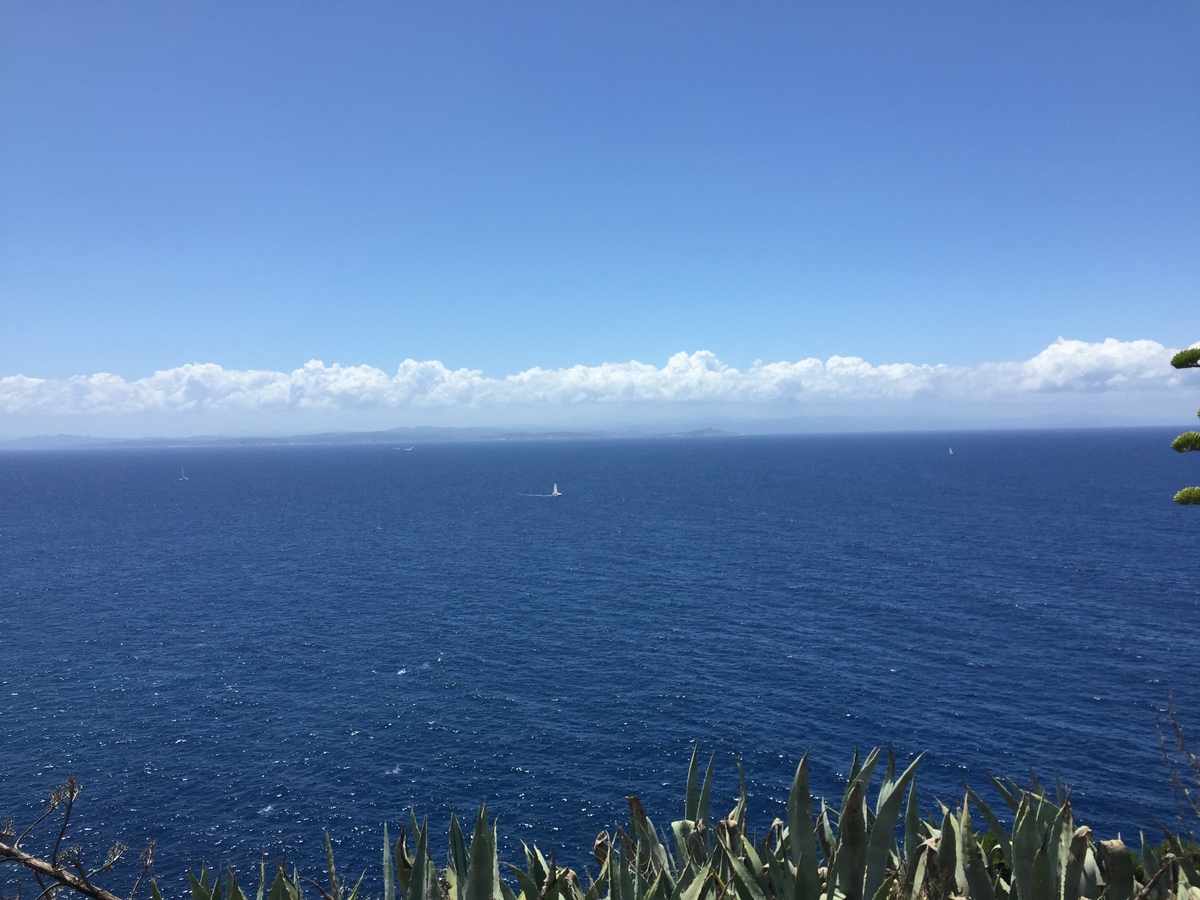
x: 392, y: 435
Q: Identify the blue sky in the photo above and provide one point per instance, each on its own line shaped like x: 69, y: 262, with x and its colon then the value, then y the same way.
x: 209, y: 190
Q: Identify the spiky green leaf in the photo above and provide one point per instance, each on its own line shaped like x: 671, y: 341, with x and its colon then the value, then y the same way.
x: 389, y: 871
x: 995, y: 827
x: 1116, y: 862
x: 851, y: 852
x: 883, y: 829
x: 802, y: 835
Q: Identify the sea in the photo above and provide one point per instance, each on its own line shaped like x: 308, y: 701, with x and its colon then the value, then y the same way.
x: 239, y: 649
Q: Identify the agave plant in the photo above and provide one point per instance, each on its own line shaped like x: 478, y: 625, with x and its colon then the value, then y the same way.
x: 860, y: 850
x: 283, y: 887
x: 855, y: 852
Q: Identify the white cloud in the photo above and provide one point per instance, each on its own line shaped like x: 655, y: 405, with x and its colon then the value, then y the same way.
x: 1123, y: 368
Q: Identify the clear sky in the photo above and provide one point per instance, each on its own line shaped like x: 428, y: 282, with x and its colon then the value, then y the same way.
x: 541, y: 205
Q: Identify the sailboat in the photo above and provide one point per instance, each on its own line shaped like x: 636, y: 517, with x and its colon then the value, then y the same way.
x: 556, y: 492
x: 951, y: 451
x: 182, y: 475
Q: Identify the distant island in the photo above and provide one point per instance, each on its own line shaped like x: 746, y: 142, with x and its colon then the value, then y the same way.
x: 426, y: 434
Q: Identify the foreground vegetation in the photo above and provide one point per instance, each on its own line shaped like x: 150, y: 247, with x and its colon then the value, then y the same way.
x: 1029, y: 848
x: 1189, y: 440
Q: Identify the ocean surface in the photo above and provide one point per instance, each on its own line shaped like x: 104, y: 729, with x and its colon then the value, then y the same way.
x: 236, y: 649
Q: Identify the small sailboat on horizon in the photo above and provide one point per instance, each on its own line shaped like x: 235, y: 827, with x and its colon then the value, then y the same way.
x: 182, y: 474
x: 556, y: 492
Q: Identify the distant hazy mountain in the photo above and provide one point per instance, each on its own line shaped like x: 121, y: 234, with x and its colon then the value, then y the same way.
x: 391, y: 436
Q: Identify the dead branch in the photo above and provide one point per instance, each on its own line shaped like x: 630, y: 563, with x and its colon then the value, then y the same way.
x: 64, y: 867
x: 56, y: 873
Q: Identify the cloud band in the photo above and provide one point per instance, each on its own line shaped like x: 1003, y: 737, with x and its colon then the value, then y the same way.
x: 1064, y: 366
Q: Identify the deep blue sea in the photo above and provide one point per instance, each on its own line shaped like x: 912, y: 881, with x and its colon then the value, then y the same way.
x: 302, y: 638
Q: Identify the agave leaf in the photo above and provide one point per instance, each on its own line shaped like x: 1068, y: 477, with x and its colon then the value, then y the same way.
x: 1091, y: 881
x: 544, y: 871
x: 456, y: 884
x: 700, y: 887
x: 997, y: 829
x: 403, y: 864
x: 1062, y: 793
x: 459, y: 864
x: 739, y: 811
x: 573, y: 890
x: 200, y: 887
x: 662, y: 888
x: 802, y: 835
x: 918, y: 878
x: 232, y: 890
x: 1058, y: 845
x: 744, y: 882
x: 691, y: 802
x: 702, y: 812
x: 682, y: 831
x: 1001, y: 888
x: 529, y: 888
x: 479, y: 883
x: 889, y: 777
x: 861, y: 772
x: 912, y: 833
x: 664, y: 883
x: 825, y: 833
x: 683, y: 881
x: 403, y: 857
x: 423, y: 881
x: 389, y: 875
x: 418, y: 875
x: 883, y: 831
x: 962, y: 825
x: 1042, y: 881
x: 948, y: 845
x: 852, y: 844
x: 1183, y: 883
x: 1150, y: 861
x: 593, y: 891
x: 1184, y: 860
x: 1047, y: 812
x: 1117, y: 865
x: 855, y: 765
x: 781, y: 878
x: 749, y: 853
x: 621, y: 876
x: 1077, y: 851
x: 650, y: 852
x: 885, y: 889
x: 335, y: 887
x: 1024, y: 848
x: 281, y: 889
x: 1010, y: 793
x: 971, y: 862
